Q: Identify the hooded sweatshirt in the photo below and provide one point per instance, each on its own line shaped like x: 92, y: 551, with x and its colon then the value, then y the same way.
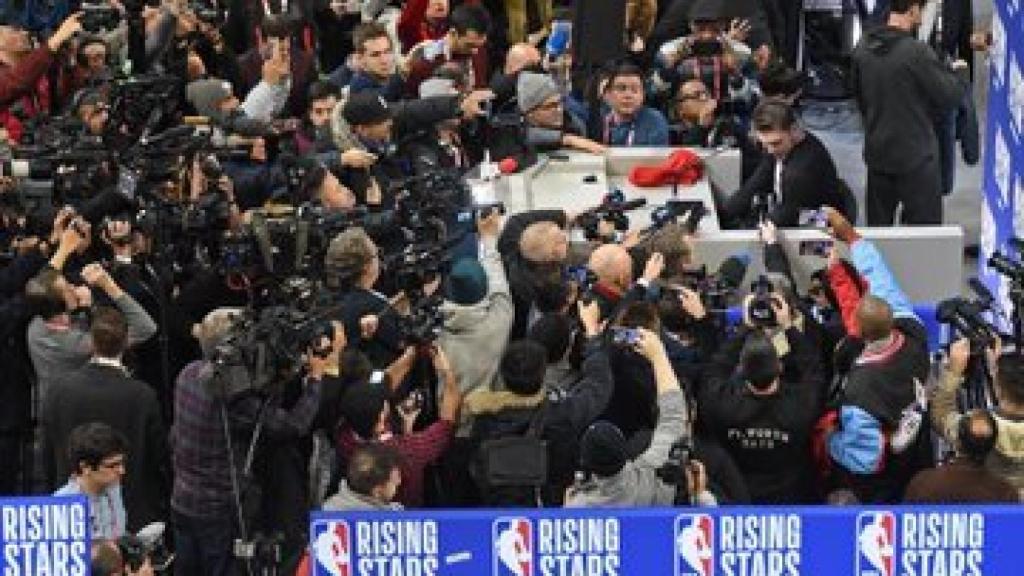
x: 900, y: 86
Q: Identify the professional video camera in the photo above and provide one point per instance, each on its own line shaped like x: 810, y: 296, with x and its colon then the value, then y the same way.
x: 671, y: 211
x: 613, y: 209
x: 965, y: 317
x: 97, y: 17
x: 265, y: 346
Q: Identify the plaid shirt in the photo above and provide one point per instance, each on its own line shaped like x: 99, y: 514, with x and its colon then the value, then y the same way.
x: 417, y: 450
x: 202, y: 475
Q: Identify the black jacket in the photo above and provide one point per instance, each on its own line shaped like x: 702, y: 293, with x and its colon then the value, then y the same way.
x: 385, y: 345
x: 809, y: 181
x: 523, y: 276
x: 567, y: 414
x: 106, y: 394
x: 411, y: 118
x: 900, y: 86
x: 768, y: 436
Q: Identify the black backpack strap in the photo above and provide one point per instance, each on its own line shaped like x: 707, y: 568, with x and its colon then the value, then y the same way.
x: 536, y: 427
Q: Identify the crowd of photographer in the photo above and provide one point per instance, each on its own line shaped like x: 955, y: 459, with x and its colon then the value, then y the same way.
x: 245, y: 279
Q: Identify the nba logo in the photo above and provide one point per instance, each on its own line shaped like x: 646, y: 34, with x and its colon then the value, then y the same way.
x: 876, y: 544
x: 513, y: 547
x: 695, y: 545
x: 332, y: 548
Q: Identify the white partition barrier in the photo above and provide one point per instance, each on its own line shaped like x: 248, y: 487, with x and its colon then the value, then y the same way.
x: 927, y: 261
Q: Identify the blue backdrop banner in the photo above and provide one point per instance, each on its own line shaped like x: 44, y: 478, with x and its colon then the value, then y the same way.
x: 749, y: 541
x: 44, y: 536
x: 1002, y: 212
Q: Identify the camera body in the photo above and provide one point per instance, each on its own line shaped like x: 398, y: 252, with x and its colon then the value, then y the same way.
x: 99, y: 17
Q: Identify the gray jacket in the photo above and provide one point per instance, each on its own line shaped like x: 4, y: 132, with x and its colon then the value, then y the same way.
x: 637, y: 484
x: 346, y: 499
x: 1007, y: 458
x: 474, y: 337
x: 56, y: 353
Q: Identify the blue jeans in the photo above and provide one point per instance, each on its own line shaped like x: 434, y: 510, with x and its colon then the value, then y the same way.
x: 204, y: 546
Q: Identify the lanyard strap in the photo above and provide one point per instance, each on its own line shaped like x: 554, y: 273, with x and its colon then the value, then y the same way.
x: 608, y: 131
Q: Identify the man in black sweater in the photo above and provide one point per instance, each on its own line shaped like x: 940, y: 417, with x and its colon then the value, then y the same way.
x: 796, y: 174
x: 900, y: 87
x: 762, y: 404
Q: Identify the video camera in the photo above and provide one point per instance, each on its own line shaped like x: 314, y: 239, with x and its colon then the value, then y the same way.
x: 613, y: 209
x: 266, y: 346
x: 965, y: 318
x: 98, y: 17
x: 148, y: 544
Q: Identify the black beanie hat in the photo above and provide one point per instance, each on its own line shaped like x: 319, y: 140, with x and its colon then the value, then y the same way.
x: 603, y: 449
x: 361, y: 406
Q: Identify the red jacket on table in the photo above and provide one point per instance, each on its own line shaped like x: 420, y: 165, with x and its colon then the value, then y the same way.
x: 26, y: 84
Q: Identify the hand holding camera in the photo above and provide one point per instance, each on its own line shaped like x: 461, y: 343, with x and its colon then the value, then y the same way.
x: 692, y: 303
x: 650, y: 346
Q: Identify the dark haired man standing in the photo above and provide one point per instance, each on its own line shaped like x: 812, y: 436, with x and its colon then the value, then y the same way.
x: 796, y: 173
x: 900, y: 86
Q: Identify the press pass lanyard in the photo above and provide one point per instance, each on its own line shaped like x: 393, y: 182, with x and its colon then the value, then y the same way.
x: 608, y: 131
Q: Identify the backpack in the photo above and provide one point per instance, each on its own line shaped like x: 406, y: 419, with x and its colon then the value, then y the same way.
x: 510, y: 471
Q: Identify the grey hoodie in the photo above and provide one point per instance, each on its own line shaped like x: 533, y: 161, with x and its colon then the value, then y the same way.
x: 900, y: 86
x: 474, y: 336
x: 637, y: 484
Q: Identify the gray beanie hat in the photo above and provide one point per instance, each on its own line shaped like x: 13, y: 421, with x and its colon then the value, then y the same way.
x: 533, y: 89
x: 206, y: 95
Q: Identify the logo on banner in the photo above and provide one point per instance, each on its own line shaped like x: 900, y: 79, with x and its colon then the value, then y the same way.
x: 695, y: 545
x: 512, y: 539
x: 332, y: 547
x: 876, y: 544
